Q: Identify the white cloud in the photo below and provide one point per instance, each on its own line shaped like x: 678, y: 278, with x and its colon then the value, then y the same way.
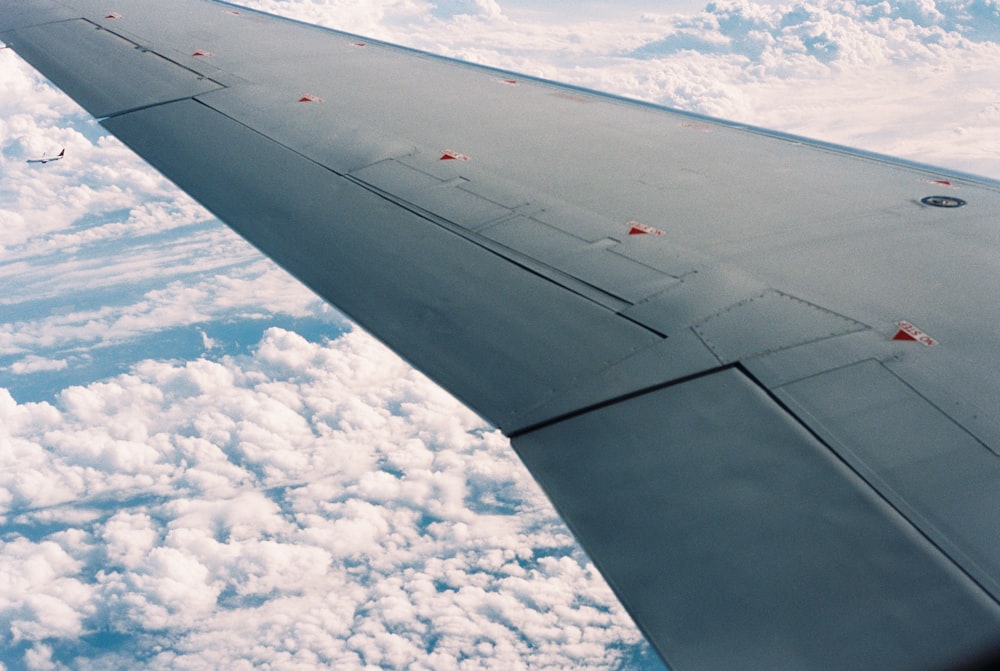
x: 33, y: 364
x: 40, y: 595
x: 39, y: 658
x: 257, y: 496
x: 128, y: 537
x: 230, y: 286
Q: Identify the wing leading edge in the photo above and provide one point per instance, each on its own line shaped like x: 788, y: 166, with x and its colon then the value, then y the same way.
x: 766, y: 478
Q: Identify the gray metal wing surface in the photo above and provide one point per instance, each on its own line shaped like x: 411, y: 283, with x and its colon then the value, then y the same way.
x: 757, y: 375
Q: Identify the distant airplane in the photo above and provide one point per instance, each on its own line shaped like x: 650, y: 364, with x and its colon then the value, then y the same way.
x: 48, y: 159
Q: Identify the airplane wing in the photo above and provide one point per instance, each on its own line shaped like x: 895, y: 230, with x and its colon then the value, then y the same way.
x: 757, y: 375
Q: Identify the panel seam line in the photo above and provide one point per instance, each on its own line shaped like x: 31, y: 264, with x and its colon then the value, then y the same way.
x: 517, y: 433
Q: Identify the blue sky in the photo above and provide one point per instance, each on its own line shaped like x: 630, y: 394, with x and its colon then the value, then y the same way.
x: 204, y: 466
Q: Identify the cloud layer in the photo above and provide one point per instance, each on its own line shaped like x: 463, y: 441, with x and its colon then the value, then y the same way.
x: 319, y: 504
x: 185, y: 485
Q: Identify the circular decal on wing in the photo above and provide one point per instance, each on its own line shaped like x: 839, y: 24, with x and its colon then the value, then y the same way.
x: 942, y: 201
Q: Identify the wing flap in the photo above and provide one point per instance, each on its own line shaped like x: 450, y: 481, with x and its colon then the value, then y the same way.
x: 737, y: 540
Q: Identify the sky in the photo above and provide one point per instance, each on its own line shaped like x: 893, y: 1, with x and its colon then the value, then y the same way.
x: 204, y: 466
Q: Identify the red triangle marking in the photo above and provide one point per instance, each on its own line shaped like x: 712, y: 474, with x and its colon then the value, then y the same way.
x: 308, y: 98
x: 448, y: 157
x: 202, y: 53
x: 908, y: 331
x: 113, y: 15
x: 360, y: 44
x: 639, y: 228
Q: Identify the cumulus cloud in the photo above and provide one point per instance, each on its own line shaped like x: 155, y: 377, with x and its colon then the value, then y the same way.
x: 911, y: 79
x: 42, y: 595
x: 450, y: 9
x: 33, y: 364
x: 256, y: 500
